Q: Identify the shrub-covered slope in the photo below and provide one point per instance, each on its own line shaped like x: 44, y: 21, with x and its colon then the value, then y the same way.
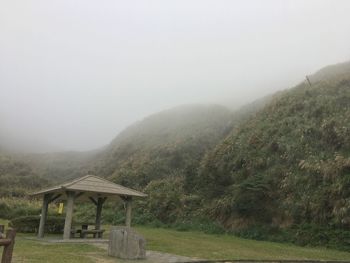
x: 17, y: 177
x: 288, y: 165
x: 165, y: 144
x: 58, y: 166
x: 337, y: 70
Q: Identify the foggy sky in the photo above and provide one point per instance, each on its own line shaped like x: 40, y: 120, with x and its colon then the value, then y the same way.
x: 75, y: 73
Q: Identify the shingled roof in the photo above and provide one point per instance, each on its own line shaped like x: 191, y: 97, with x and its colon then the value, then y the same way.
x: 93, y: 185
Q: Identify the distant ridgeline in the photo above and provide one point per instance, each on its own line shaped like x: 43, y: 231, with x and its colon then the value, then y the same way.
x: 281, y: 162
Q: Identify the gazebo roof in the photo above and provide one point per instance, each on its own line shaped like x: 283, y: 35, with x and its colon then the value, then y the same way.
x: 93, y: 185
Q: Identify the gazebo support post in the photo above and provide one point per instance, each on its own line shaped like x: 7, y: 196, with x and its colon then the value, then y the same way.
x: 99, y: 204
x: 128, y: 202
x: 46, y: 201
x: 69, y: 215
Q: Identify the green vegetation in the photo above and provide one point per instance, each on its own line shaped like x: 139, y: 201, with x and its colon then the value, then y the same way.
x: 338, y: 70
x: 195, y: 244
x: 15, y: 207
x: 17, y: 177
x: 30, y: 224
x: 288, y: 166
x: 191, y: 244
x: 277, y: 170
x: 168, y: 144
x: 36, y: 252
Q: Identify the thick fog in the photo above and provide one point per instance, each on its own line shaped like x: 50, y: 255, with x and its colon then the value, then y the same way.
x: 75, y: 73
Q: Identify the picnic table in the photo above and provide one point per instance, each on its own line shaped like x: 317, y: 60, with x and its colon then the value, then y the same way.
x: 85, y: 230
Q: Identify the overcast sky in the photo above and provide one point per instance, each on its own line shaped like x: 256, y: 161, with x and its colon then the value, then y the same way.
x: 75, y: 73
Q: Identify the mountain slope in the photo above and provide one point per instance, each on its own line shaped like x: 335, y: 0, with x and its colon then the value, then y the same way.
x: 17, y: 177
x: 336, y: 70
x: 164, y: 144
x: 288, y: 165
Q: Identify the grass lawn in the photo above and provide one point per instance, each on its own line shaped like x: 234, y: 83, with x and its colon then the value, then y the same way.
x: 201, y: 245
x: 192, y: 244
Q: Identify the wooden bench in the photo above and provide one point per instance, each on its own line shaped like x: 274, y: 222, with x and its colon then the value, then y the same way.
x: 95, y: 232
x: 74, y: 231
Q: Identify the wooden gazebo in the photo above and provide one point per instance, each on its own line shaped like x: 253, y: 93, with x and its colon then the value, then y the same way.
x: 87, y: 188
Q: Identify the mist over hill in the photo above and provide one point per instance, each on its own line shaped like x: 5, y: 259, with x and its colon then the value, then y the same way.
x: 16, y: 143
x: 155, y: 147
x: 164, y: 144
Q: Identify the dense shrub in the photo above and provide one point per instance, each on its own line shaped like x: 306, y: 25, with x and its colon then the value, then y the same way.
x: 30, y: 224
x: 304, y: 234
x: 329, y: 236
x: 15, y: 207
x: 165, y: 199
x: 17, y: 177
x: 263, y: 232
x: 204, y: 225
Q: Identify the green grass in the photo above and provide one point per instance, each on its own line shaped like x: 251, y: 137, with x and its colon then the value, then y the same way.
x: 33, y: 251
x: 201, y: 245
x: 192, y: 244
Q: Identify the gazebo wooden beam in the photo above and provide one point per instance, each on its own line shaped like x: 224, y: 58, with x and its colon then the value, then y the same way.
x: 99, y: 204
x: 79, y: 194
x: 93, y: 200
x: 128, y: 204
x: 128, y: 212
x: 55, y: 198
x: 69, y: 214
x: 46, y: 201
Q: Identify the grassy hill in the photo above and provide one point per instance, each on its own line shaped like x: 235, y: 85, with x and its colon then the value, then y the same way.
x: 17, y: 177
x: 290, y: 164
x: 58, y: 166
x: 337, y: 70
x: 22, y: 173
x: 164, y: 145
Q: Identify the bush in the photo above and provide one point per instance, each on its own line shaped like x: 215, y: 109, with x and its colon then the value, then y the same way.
x: 199, y: 224
x: 329, y: 236
x: 261, y: 232
x: 165, y: 200
x: 302, y: 235
x: 15, y: 207
x: 86, y: 212
x: 30, y: 224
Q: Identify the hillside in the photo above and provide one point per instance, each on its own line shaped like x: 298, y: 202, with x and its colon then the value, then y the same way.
x: 164, y: 144
x: 336, y: 70
x: 17, y: 177
x: 288, y: 165
x: 58, y: 166
x: 167, y: 144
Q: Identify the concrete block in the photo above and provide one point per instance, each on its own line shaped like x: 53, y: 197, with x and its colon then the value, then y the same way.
x: 125, y: 243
